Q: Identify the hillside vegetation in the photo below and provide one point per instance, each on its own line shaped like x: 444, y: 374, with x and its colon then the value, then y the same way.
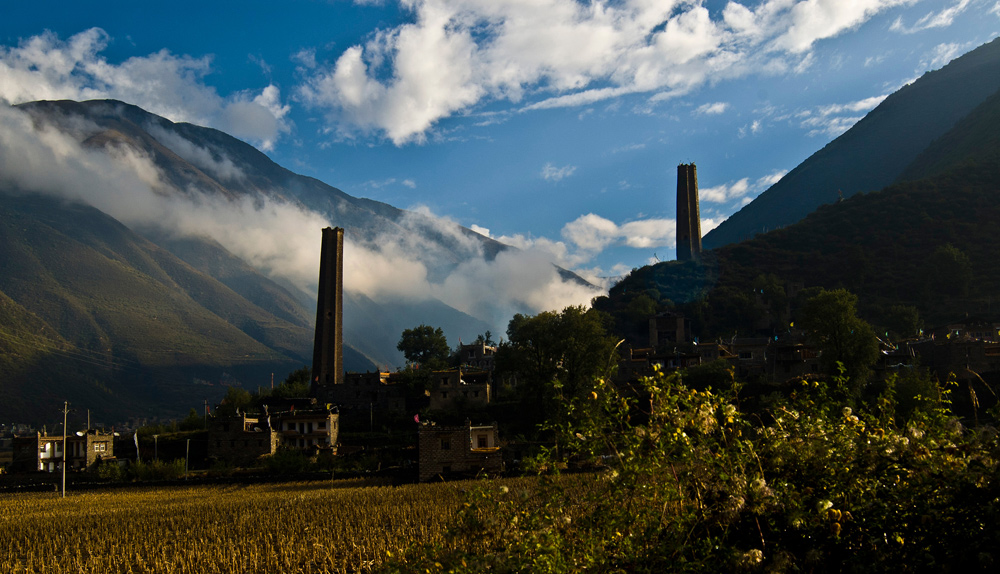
x: 88, y: 302
x: 930, y: 244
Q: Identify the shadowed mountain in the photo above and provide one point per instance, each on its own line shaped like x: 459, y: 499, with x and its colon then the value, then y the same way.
x: 876, y: 151
x: 142, y: 320
x: 924, y: 247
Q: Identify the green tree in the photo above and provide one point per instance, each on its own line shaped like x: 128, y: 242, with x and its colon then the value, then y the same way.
x: 486, y: 339
x: 296, y: 384
x: 236, y: 399
x: 831, y: 318
x: 557, y: 356
x: 425, y: 346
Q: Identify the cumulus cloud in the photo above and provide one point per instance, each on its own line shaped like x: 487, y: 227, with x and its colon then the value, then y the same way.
x: 454, y: 54
x: 44, y: 67
x: 591, y: 233
x: 553, y: 173
x: 724, y: 192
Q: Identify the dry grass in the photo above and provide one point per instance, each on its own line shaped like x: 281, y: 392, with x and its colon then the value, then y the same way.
x: 337, y: 526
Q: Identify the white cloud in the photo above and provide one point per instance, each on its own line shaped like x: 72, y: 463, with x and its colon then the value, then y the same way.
x: 711, y: 109
x: 125, y: 184
x: 553, y: 173
x: 941, y: 55
x: 742, y: 188
x: 274, y: 236
x: 590, y: 234
x: 44, y: 67
x: 305, y: 58
x: 453, y: 54
x: 769, y: 180
x: 214, y: 163
x: 834, y: 119
x: 724, y: 192
x: 852, y: 107
x: 809, y: 21
x: 942, y: 19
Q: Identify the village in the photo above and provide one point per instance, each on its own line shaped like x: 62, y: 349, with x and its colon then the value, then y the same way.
x: 457, y: 447
x: 463, y: 420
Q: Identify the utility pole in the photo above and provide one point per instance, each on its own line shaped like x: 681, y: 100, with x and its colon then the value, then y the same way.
x: 65, y: 415
x: 156, y: 447
x: 206, y: 413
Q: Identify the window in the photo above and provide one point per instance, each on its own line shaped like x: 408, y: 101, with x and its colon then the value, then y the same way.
x: 482, y: 441
x: 444, y: 394
x: 445, y: 444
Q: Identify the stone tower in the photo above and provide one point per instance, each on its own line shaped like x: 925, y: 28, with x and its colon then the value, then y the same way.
x: 328, y: 345
x: 688, y: 214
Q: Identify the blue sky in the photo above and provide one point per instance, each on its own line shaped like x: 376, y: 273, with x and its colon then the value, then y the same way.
x: 554, y: 125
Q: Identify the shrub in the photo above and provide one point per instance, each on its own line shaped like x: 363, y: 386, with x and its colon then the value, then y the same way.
x: 683, y: 481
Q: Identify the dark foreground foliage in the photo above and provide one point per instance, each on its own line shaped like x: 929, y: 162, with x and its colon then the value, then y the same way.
x: 681, y: 480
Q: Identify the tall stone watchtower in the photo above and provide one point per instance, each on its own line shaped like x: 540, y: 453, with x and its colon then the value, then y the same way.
x: 688, y: 214
x: 328, y: 345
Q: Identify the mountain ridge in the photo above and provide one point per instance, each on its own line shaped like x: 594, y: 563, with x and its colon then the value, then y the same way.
x: 874, y: 152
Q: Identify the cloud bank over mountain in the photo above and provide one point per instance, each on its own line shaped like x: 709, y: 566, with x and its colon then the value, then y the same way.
x: 274, y: 236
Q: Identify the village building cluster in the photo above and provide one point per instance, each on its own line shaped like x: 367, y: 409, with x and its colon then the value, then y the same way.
x: 313, y: 424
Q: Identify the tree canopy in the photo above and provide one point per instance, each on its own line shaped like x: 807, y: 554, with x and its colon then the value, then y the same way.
x: 831, y: 317
x: 558, y: 356
x: 425, y: 346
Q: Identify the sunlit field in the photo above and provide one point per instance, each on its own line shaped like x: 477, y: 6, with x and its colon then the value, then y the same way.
x: 336, y: 526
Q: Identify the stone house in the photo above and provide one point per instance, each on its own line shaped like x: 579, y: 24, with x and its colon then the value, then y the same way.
x: 458, y: 389
x: 463, y: 450
x: 478, y: 356
x: 361, y: 393
x: 43, y: 452
x: 245, y: 438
